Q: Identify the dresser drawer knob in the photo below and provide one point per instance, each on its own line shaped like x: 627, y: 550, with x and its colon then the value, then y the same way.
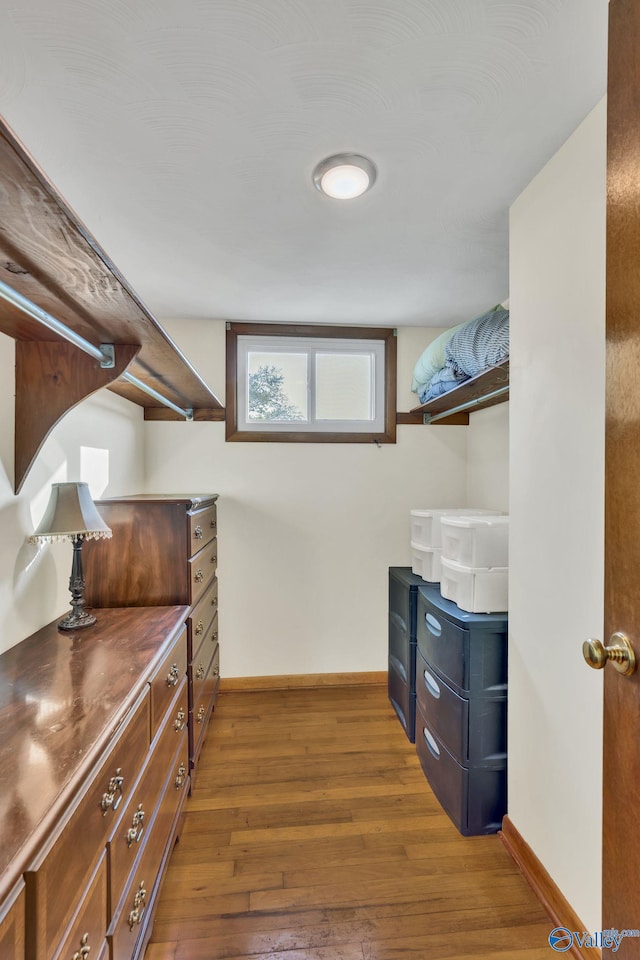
x: 433, y: 626
x: 198, y: 532
x: 213, y: 524
x: 135, y: 831
x: 173, y: 676
x: 201, y: 712
x: 200, y: 672
x: 179, y: 722
x: 214, y: 601
x: 214, y: 557
x: 139, y: 904
x: 198, y: 576
x: 199, y: 628
x: 214, y: 637
x: 180, y: 776
x: 83, y: 952
x: 112, y: 799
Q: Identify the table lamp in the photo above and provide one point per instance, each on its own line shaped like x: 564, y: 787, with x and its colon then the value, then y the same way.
x: 72, y: 515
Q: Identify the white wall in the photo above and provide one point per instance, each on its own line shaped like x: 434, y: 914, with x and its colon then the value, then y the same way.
x: 557, y: 254
x: 307, y: 531
x: 100, y: 441
x: 488, y: 458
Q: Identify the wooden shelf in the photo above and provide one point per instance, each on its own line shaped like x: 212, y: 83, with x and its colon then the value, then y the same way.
x: 48, y: 256
x: 479, y: 392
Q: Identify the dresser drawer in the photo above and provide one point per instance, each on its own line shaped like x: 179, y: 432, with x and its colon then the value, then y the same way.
x: 202, y: 528
x: 201, y: 618
x: 67, y: 861
x: 132, y: 912
x: 202, y: 570
x: 473, y: 731
x: 124, y: 845
x: 203, y: 654
x: 472, y: 660
x: 202, y: 657
x: 402, y: 651
x: 399, y: 606
x: 474, y: 797
x: 204, y: 698
x: 205, y: 685
x: 403, y: 590
x: 165, y: 680
x: 89, y: 928
x: 12, y: 928
x: 402, y: 700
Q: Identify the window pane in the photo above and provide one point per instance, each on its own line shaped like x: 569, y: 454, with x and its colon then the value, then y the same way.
x: 344, y: 386
x: 277, y: 386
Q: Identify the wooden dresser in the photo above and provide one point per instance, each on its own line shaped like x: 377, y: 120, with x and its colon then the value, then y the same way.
x: 165, y: 550
x: 93, y: 777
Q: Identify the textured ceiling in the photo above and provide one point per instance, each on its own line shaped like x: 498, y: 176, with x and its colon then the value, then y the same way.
x: 184, y: 133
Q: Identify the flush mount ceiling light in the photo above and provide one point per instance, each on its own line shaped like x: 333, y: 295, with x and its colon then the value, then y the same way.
x: 344, y: 176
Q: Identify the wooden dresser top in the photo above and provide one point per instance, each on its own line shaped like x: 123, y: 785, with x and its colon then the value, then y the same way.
x: 194, y: 502
x: 62, y: 696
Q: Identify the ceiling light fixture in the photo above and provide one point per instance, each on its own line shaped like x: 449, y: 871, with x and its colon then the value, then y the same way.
x: 344, y: 176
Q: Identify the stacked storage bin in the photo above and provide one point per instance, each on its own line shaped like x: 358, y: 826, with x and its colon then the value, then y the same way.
x: 474, y: 561
x: 461, y: 710
x: 426, y: 539
x: 403, y: 604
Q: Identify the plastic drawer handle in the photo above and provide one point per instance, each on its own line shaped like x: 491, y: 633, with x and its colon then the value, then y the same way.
x: 433, y: 625
x: 432, y: 746
x: 432, y: 684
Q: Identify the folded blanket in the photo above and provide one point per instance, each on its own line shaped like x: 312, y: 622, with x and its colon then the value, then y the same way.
x: 432, y: 359
x: 441, y: 382
x: 481, y: 343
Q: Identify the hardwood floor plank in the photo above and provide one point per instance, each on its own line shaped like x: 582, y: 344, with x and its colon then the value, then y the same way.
x: 309, y: 791
x: 329, y: 830
x: 444, y: 863
x: 271, y: 816
x: 435, y: 890
x: 315, y: 927
x: 312, y: 834
x: 316, y: 768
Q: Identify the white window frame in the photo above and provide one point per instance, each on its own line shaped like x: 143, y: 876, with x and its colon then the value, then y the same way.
x: 312, y: 348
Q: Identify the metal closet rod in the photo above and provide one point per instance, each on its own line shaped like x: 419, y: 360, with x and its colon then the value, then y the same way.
x: 469, y: 405
x: 104, y: 353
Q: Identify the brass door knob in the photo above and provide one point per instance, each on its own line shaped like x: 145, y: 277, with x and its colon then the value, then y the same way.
x: 619, y: 652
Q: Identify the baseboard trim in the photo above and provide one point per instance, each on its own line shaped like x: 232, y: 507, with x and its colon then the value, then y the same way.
x: 303, y: 681
x: 555, y: 904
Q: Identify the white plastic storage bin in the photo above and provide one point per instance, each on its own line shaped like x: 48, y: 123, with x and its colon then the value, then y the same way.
x: 474, y: 589
x: 476, y: 541
x: 425, y: 524
x: 425, y: 562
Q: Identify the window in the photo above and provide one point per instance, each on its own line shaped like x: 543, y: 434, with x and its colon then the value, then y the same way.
x: 311, y: 383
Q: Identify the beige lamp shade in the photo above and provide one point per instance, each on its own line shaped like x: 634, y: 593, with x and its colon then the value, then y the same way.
x: 71, y: 513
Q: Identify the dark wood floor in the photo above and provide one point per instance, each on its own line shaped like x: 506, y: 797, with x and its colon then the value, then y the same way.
x: 313, y: 835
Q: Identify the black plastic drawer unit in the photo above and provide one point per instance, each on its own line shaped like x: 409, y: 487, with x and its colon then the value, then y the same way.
x: 474, y: 797
x: 468, y: 650
x: 403, y: 599
x: 475, y: 730
x: 461, y: 717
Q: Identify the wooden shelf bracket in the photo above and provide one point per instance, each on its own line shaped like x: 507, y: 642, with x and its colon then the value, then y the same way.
x: 52, y: 377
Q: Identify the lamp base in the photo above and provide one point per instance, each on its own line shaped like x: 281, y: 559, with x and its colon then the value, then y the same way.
x: 75, y: 620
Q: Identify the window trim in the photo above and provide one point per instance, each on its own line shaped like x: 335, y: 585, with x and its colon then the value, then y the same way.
x: 291, y: 330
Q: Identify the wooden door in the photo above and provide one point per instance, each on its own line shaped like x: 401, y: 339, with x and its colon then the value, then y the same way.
x: 621, y: 837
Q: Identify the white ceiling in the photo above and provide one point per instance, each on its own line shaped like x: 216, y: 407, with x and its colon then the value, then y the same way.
x: 184, y: 133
